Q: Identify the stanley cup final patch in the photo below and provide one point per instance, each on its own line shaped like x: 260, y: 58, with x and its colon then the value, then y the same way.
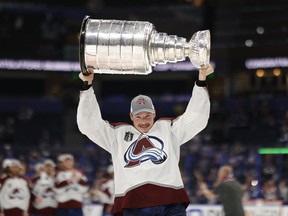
x: 128, y: 136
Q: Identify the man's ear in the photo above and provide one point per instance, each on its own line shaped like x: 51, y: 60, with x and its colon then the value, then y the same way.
x: 131, y: 116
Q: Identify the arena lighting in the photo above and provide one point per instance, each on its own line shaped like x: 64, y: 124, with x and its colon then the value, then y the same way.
x: 277, y: 62
x: 273, y: 151
x: 276, y: 72
x: 72, y: 66
x: 39, y: 65
x: 254, y: 183
x: 260, y: 30
x: 179, y: 66
x: 249, y: 43
x: 260, y: 72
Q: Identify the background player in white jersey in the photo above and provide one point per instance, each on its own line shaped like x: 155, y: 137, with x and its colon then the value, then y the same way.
x: 14, y: 191
x: 146, y: 154
x: 105, y: 191
x: 70, y: 186
x: 43, y: 194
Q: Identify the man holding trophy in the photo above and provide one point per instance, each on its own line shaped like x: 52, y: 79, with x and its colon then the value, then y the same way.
x: 145, y: 154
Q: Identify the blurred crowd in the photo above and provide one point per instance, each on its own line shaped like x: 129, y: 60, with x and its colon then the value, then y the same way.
x: 237, y: 129
x: 55, y: 188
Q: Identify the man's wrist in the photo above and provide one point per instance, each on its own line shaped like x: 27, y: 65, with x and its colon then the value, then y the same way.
x: 201, y: 83
x: 85, y: 86
x: 202, y: 76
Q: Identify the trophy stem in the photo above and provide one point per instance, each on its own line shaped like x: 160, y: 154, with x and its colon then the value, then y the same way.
x: 187, y: 49
x: 167, y: 48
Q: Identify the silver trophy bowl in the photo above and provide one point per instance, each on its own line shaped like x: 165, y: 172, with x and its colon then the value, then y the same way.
x: 199, y: 48
x: 135, y: 47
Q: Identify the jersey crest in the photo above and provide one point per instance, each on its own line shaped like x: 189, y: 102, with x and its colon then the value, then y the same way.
x: 17, y: 193
x: 143, y: 149
x: 48, y: 193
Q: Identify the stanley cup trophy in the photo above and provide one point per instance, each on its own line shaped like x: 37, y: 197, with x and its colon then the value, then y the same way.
x: 135, y: 47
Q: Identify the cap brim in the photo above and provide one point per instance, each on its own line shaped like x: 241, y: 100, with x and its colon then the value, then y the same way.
x: 144, y: 110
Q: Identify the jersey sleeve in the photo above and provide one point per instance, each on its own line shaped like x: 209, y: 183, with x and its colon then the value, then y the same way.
x: 90, y: 122
x: 82, y: 182
x: 195, y: 117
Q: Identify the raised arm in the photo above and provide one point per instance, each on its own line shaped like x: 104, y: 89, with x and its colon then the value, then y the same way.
x: 196, y: 115
x: 89, y: 118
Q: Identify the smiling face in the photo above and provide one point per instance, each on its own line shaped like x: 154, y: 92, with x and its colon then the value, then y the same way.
x: 143, y: 121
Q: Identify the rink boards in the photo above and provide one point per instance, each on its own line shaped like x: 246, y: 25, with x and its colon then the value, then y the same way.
x: 254, y: 208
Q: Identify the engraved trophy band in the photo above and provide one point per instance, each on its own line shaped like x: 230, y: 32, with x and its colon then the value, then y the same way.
x: 135, y: 47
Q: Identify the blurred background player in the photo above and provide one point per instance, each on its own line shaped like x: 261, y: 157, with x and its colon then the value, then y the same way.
x: 103, y: 191
x: 43, y: 194
x: 70, y: 185
x: 227, y: 188
x: 14, y: 191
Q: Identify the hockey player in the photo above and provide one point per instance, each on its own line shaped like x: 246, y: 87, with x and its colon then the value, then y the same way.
x: 146, y: 154
x: 70, y: 186
x: 43, y: 194
x: 105, y: 191
x: 14, y: 191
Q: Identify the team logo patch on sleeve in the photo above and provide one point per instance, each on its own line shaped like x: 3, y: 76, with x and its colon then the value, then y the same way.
x: 143, y: 149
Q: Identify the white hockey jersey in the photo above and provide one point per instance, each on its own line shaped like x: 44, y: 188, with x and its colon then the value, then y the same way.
x: 106, y: 192
x: 146, y: 170
x: 70, y: 194
x: 43, y: 187
x: 15, y: 193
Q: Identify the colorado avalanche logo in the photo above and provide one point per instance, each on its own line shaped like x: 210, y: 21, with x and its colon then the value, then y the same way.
x: 17, y: 193
x: 48, y: 193
x: 143, y: 149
